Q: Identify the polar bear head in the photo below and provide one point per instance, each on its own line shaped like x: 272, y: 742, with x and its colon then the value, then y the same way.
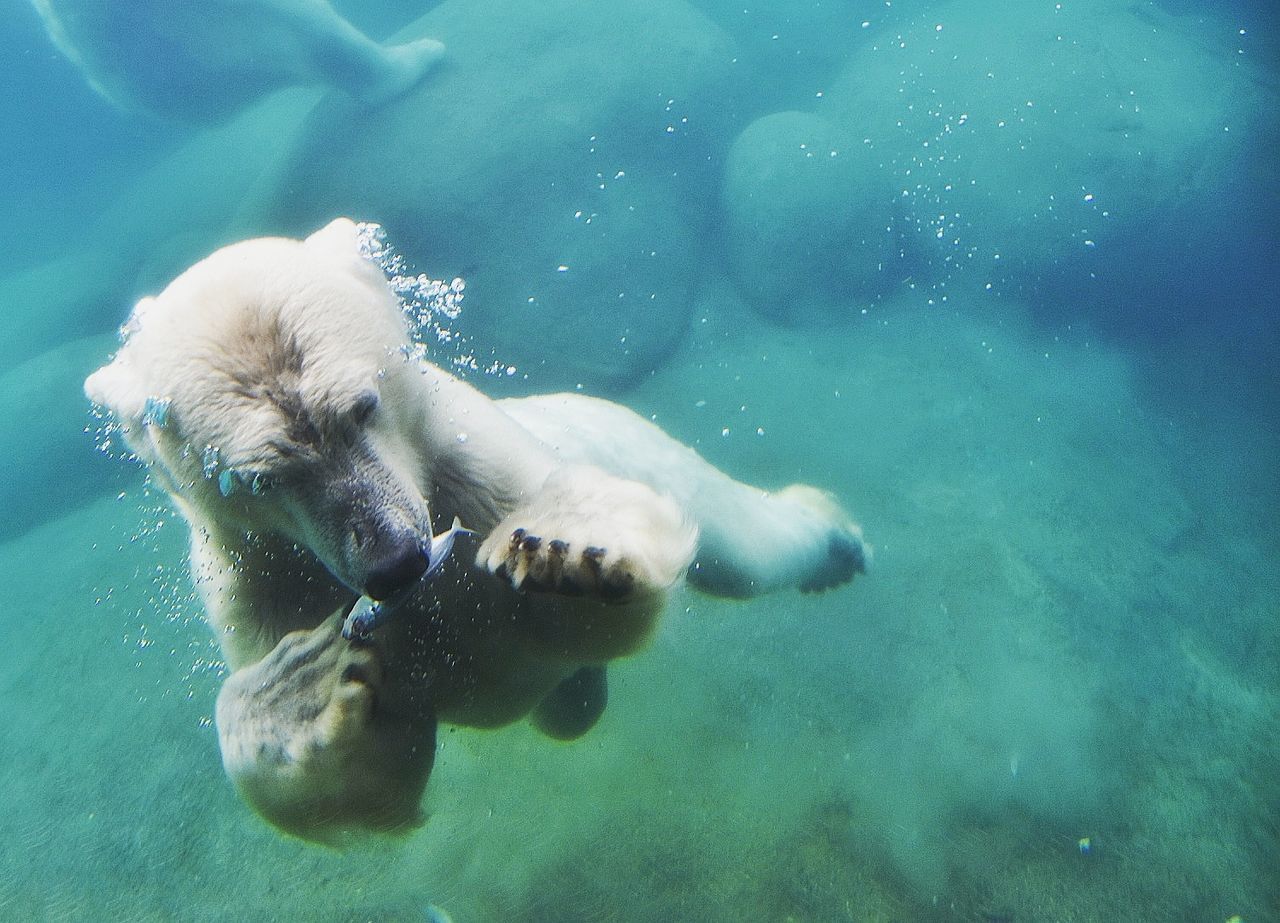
x: 267, y: 389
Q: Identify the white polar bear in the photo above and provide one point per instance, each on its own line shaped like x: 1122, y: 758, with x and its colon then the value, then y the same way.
x: 184, y: 60
x: 270, y: 391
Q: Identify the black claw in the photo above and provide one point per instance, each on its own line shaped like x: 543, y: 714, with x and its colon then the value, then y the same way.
x: 559, y: 547
x: 530, y: 543
x: 591, y: 558
x: 516, y: 537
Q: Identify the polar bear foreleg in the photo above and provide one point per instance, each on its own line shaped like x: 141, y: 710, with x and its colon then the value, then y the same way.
x: 751, y: 541
x: 312, y: 745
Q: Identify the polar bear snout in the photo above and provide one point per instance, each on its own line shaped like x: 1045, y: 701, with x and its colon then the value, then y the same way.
x: 387, y: 536
x: 396, y: 562
x: 370, y: 528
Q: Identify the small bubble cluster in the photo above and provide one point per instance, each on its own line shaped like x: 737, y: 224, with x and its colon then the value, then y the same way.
x: 430, y: 305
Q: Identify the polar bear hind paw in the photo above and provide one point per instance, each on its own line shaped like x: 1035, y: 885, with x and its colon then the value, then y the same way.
x: 847, y: 556
x: 574, y: 706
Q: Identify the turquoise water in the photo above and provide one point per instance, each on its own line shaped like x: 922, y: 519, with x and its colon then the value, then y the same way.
x: 1001, y: 275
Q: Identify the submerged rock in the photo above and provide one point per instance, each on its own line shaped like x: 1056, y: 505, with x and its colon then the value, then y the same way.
x: 551, y: 163
x: 177, y: 211
x: 50, y: 463
x: 1028, y: 143
x: 808, y: 218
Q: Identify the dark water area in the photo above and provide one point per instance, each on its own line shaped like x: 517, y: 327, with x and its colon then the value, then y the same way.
x: 1000, y: 276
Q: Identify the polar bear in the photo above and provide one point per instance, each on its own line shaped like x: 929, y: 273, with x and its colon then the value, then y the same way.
x: 270, y: 391
x: 185, y: 60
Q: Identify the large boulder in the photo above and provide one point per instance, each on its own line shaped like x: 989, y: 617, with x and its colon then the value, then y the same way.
x: 1043, y: 143
x: 807, y: 216
x: 797, y: 47
x: 74, y: 294
x: 176, y: 212
x: 50, y: 462
x: 552, y: 163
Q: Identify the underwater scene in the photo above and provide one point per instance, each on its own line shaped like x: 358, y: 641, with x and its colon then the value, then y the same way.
x: 966, y: 608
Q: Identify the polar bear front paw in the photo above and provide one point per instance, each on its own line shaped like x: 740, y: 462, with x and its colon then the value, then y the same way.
x: 591, y: 535
x: 532, y: 563
x: 309, y: 745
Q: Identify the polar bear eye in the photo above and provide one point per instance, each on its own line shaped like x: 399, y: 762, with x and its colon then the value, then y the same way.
x: 365, y: 407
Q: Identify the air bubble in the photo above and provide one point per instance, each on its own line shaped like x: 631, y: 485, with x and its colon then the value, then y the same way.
x: 429, y: 305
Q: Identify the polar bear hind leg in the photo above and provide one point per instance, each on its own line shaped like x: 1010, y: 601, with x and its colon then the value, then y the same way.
x: 574, y: 706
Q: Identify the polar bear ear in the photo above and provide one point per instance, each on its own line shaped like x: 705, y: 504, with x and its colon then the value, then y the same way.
x: 345, y: 244
x: 137, y: 316
x: 341, y: 237
x: 117, y: 387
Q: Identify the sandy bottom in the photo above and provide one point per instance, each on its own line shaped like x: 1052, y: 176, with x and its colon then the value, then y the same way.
x: 1069, y: 632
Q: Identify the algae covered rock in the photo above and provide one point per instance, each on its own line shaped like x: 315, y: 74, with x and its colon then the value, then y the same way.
x: 50, y: 463
x: 1024, y: 140
x: 550, y: 162
x: 807, y: 218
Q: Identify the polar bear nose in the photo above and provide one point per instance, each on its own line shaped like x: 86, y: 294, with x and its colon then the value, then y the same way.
x: 399, y: 562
